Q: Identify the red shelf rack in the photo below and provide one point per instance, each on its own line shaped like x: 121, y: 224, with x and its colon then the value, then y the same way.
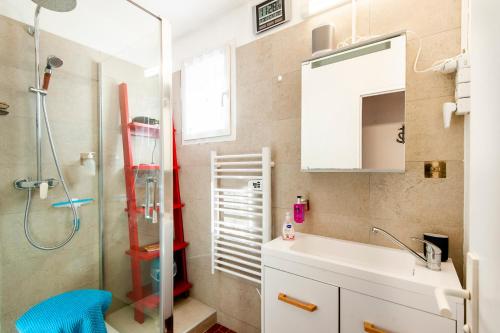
x: 181, y: 283
x: 143, y: 254
x: 181, y: 287
x: 142, y: 295
x: 180, y: 245
x: 146, y: 167
x: 146, y: 130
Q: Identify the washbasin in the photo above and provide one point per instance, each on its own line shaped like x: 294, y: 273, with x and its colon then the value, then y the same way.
x: 358, y: 255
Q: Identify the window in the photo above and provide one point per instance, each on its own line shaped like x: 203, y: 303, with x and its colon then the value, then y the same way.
x: 206, y: 97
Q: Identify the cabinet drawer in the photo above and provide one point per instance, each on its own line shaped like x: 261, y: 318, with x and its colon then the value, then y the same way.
x: 356, y: 309
x: 296, y: 304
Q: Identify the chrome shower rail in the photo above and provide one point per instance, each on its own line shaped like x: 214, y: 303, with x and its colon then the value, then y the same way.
x: 41, y: 109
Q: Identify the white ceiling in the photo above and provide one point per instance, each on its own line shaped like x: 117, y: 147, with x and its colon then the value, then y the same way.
x: 186, y: 16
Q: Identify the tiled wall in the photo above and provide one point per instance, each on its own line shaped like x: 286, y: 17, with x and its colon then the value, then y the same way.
x: 343, y: 205
x: 28, y: 275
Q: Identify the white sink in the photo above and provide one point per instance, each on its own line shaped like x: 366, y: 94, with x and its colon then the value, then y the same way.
x: 362, y: 256
x: 360, y: 281
x: 375, y: 264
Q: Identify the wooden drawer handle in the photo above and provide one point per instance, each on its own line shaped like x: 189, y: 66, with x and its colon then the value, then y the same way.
x: 370, y: 328
x: 292, y: 301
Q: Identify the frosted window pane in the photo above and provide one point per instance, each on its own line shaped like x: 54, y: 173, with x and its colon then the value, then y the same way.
x: 205, y: 103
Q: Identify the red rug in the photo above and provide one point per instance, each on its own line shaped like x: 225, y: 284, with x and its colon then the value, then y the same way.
x: 217, y: 328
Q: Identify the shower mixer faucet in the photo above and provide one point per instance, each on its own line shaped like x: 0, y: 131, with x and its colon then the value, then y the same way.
x: 25, y: 184
x: 42, y: 185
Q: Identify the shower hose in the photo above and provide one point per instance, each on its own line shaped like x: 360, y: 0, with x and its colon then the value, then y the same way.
x: 76, y: 219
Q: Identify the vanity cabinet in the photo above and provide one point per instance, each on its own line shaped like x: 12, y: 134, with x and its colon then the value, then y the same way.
x: 358, y: 310
x: 326, y: 285
x: 297, y: 304
x: 294, y: 303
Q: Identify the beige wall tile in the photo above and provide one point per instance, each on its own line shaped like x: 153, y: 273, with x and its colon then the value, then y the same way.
x: 431, y: 84
x: 235, y: 324
x: 285, y: 136
x: 16, y: 44
x: 194, y: 177
x: 252, y: 61
x: 238, y: 299
x: 197, y: 227
x: 425, y: 17
x: 19, y: 150
x: 286, y: 96
x: 204, y: 284
x: 411, y: 198
x: 254, y: 96
x: 8, y: 321
x: 426, y: 137
x: 290, y: 48
x: 14, y: 91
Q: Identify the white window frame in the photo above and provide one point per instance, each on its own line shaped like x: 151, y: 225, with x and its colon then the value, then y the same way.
x: 228, y: 133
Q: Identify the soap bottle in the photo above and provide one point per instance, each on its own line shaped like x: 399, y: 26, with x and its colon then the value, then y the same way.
x: 299, y: 210
x: 288, y: 230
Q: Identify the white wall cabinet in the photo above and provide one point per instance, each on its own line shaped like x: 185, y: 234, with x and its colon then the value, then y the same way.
x: 333, y: 88
x: 338, y: 310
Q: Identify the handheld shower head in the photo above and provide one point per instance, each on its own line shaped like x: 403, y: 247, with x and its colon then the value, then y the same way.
x: 57, y: 5
x: 52, y: 62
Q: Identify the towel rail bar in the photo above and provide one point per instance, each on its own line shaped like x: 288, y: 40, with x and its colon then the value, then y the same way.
x: 243, y: 276
x: 240, y: 211
x: 246, y: 248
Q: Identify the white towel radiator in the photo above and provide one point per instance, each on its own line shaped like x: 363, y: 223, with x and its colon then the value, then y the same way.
x: 240, y: 212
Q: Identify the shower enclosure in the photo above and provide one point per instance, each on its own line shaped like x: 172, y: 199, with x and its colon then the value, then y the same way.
x: 65, y: 218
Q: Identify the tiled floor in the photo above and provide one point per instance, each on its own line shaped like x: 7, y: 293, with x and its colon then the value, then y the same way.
x: 217, y: 328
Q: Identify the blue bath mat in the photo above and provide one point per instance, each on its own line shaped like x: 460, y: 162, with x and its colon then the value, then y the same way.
x: 79, y: 311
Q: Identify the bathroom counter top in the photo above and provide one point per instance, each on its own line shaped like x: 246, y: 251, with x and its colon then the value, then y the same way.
x: 349, y: 263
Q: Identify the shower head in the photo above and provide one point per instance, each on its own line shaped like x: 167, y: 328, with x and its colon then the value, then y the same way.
x: 54, y: 62
x: 57, y: 5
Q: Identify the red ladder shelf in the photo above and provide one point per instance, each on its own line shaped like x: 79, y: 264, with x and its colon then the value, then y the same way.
x: 142, y: 295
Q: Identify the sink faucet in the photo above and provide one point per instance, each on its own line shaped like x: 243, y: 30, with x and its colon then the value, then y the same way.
x: 433, y: 257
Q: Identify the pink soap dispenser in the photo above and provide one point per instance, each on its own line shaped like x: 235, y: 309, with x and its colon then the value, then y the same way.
x: 299, y: 209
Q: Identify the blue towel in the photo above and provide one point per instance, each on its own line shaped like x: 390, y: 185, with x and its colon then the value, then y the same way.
x: 79, y: 311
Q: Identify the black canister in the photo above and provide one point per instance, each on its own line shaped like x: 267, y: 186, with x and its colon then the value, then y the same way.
x: 440, y: 241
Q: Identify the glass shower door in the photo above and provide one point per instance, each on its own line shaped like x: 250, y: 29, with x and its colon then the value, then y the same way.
x: 65, y: 226
x: 132, y: 178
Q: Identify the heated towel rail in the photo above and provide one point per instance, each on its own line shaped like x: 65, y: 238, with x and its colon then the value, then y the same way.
x: 241, y: 212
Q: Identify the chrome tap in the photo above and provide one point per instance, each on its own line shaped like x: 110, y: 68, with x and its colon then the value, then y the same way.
x: 433, y: 258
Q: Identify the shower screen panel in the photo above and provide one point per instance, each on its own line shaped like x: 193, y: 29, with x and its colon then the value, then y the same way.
x: 133, y: 141
x: 85, y: 174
